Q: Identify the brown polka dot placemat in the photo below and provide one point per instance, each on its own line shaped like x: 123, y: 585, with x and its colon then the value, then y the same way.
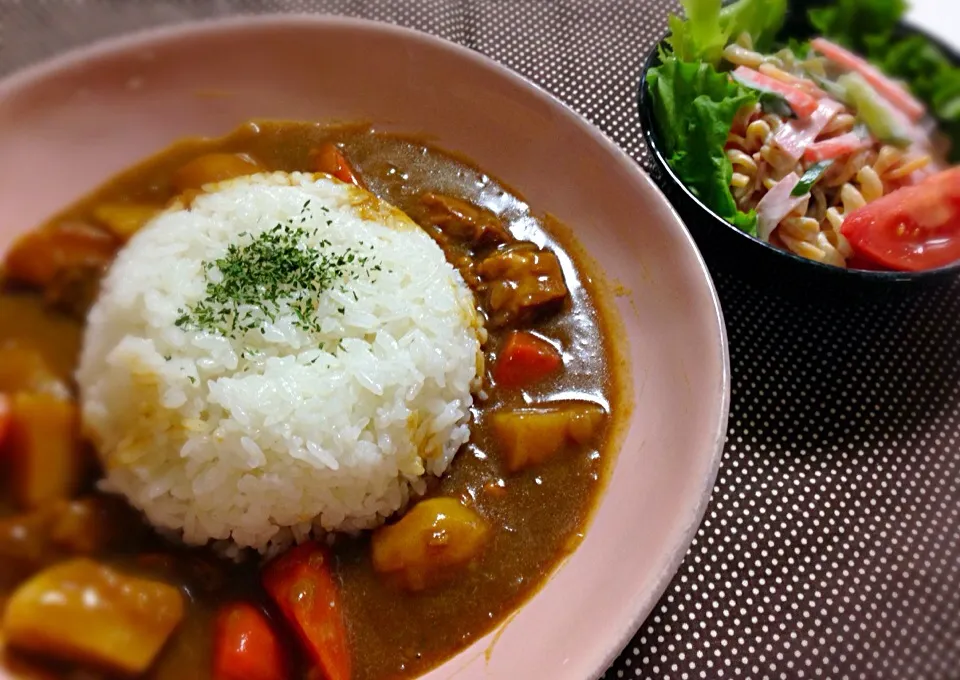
x: 831, y: 547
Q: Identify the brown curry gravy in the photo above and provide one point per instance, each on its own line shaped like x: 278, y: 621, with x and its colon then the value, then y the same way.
x: 537, y: 520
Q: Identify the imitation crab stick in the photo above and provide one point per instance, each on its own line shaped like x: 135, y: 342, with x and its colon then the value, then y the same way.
x: 892, y: 91
x: 835, y: 147
x: 802, y: 103
x: 804, y: 84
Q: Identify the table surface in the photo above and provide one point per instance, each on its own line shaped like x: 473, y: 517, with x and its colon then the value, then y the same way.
x: 831, y: 546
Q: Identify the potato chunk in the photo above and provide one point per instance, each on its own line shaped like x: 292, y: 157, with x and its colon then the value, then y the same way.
x: 214, y: 167
x: 83, y: 611
x: 429, y: 544
x: 529, y: 436
x: 46, y: 459
x: 24, y: 369
x: 124, y: 219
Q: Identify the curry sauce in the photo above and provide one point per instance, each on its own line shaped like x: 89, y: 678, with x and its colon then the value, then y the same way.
x: 536, y: 506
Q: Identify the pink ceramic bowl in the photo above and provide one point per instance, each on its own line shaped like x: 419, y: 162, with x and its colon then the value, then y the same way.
x: 67, y: 125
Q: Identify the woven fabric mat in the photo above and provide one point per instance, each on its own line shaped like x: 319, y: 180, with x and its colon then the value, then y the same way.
x: 831, y: 546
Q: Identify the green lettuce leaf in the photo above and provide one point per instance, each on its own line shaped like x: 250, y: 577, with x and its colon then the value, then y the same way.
x: 707, y: 27
x: 694, y: 107
x: 868, y: 27
x: 852, y: 22
x: 698, y: 36
x: 925, y: 68
x: 762, y: 19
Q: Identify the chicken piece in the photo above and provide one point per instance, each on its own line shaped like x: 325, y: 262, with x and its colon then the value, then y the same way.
x: 23, y: 546
x: 522, y: 281
x: 83, y: 611
x: 40, y: 257
x: 59, y: 530
x: 46, y: 459
x: 464, y: 221
x: 73, y: 291
x: 530, y: 436
x: 86, y: 526
x: 200, y: 573
x: 429, y: 544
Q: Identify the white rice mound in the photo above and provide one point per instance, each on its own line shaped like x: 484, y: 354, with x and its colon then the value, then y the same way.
x: 267, y: 439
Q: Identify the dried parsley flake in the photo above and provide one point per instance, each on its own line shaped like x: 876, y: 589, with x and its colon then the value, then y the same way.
x: 271, y: 274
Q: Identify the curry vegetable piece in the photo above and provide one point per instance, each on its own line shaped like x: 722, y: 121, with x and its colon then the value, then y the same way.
x: 524, y: 359
x: 83, y: 611
x: 329, y: 158
x: 24, y: 369
x: 530, y: 436
x: 302, y: 585
x: 124, y: 219
x: 429, y: 543
x: 214, y: 167
x: 46, y: 460
x: 246, y: 647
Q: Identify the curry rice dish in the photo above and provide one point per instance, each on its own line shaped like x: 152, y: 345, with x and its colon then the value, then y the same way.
x: 298, y: 402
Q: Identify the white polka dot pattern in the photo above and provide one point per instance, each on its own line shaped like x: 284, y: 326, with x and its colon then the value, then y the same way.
x: 831, y: 547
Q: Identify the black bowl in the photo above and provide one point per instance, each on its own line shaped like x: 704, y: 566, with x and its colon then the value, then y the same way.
x: 725, y: 248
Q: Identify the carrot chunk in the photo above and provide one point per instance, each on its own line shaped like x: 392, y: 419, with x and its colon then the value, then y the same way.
x: 525, y: 359
x: 246, y: 646
x: 330, y: 159
x: 303, y: 586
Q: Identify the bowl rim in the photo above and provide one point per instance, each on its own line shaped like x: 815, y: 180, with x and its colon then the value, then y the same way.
x: 142, y: 39
x: 651, y: 137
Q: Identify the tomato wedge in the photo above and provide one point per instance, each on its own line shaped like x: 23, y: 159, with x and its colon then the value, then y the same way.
x: 912, y: 228
x: 245, y: 646
x: 524, y: 359
x: 303, y: 586
x: 330, y: 159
